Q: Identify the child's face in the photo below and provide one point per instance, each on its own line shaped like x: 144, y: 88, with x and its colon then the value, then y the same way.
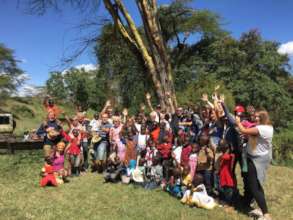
x: 195, y: 148
x: 75, y: 133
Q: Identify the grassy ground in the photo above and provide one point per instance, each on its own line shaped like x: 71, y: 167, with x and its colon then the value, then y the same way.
x: 87, y: 197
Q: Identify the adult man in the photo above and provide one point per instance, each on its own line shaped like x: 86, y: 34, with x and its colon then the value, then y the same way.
x: 101, y: 147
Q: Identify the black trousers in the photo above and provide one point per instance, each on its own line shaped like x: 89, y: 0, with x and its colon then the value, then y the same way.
x: 255, y: 189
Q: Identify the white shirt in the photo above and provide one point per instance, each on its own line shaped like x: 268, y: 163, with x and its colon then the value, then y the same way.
x: 263, y: 141
x: 95, y: 124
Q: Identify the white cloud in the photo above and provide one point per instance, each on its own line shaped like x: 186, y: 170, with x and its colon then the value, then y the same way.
x: 29, y: 90
x: 86, y: 67
x: 286, y: 48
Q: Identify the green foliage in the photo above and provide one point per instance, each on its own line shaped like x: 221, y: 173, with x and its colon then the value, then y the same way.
x: 283, y: 145
x: 22, y: 111
x: 179, y: 19
x: 55, y: 86
x: 203, y: 84
x: 122, y: 73
x: 80, y: 87
x: 252, y: 69
x: 9, y: 72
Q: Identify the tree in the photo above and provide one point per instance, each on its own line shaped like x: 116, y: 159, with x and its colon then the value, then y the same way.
x: 11, y: 76
x: 152, y: 50
x: 55, y: 86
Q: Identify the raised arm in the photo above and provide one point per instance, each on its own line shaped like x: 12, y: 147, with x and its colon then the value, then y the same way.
x: 148, y: 98
x: 107, y: 104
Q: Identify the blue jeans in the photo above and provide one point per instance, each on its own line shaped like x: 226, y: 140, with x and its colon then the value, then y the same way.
x: 207, y: 175
x: 85, y: 154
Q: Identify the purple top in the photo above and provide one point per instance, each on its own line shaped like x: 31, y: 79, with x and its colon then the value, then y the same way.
x: 58, y: 163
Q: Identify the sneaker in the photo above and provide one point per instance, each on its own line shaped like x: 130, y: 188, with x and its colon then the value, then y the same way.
x: 255, y: 213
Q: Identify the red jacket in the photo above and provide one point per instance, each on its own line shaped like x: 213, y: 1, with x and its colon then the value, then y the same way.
x: 165, y: 150
x: 186, y: 150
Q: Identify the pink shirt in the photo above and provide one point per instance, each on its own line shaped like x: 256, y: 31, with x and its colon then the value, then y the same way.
x: 58, y: 163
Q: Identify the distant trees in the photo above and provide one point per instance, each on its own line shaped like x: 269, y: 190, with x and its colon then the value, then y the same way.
x: 11, y: 76
x: 77, y: 86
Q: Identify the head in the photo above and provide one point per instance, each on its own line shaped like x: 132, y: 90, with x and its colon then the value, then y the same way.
x: 224, y: 146
x: 203, y: 140
x: 51, y: 116
x: 213, y: 115
x: 158, y: 108
x: 51, y: 102
x: 195, y: 147
x: 60, y: 146
x: 153, y: 116
x: 176, y: 172
x: 138, y: 119
x: 197, y: 180
x: 239, y: 111
x: 186, y: 170
x: 167, y: 117
x: 110, y: 112
x: 179, y: 111
x: 96, y: 116
x: 105, y: 118
x: 80, y: 117
x: 262, y: 118
x: 48, y: 160
x: 75, y: 132
x: 116, y: 121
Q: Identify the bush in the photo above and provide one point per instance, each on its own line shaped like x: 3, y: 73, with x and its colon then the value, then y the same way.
x: 283, y: 144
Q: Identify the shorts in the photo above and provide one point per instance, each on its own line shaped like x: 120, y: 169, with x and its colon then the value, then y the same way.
x: 101, y: 151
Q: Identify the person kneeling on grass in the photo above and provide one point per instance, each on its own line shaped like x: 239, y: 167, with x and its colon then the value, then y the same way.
x: 114, y: 169
x: 58, y: 163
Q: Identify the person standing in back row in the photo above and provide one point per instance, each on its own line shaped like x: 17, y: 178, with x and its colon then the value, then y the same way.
x: 259, y: 156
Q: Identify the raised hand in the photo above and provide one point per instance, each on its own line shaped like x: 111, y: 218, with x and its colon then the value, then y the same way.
x: 222, y: 98
x: 204, y: 97
x: 108, y: 103
x: 217, y: 87
x: 125, y: 112
x: 148, y: 96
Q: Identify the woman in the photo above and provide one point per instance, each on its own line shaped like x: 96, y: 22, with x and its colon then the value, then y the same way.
x: 259, y: 158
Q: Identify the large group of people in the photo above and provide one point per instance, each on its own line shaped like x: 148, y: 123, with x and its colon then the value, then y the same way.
x: 191, y: 154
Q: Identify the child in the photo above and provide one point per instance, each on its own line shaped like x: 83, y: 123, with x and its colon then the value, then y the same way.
x: 48, y: 177
x: 142, y: 138
x: 130, y: 147
x: 165, y: 151
x: 113, y: 170
x: 154, y: 178
x: 151, y: 151
x: 174, y: 183
x: 58, y: 163
x: 186, y: 179
x: 205, y: 162
x: 74, y: 150
x: 185, y: 153
x: 193, y: 159
x: 227, y: 183
x: 115, y: 138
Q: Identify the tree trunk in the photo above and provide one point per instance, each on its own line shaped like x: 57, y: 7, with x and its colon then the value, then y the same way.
x: 155, y: 53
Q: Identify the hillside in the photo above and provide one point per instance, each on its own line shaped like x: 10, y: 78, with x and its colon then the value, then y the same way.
x: 29, y: 112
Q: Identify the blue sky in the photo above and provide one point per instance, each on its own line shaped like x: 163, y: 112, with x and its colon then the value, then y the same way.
x: 41, y: 41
